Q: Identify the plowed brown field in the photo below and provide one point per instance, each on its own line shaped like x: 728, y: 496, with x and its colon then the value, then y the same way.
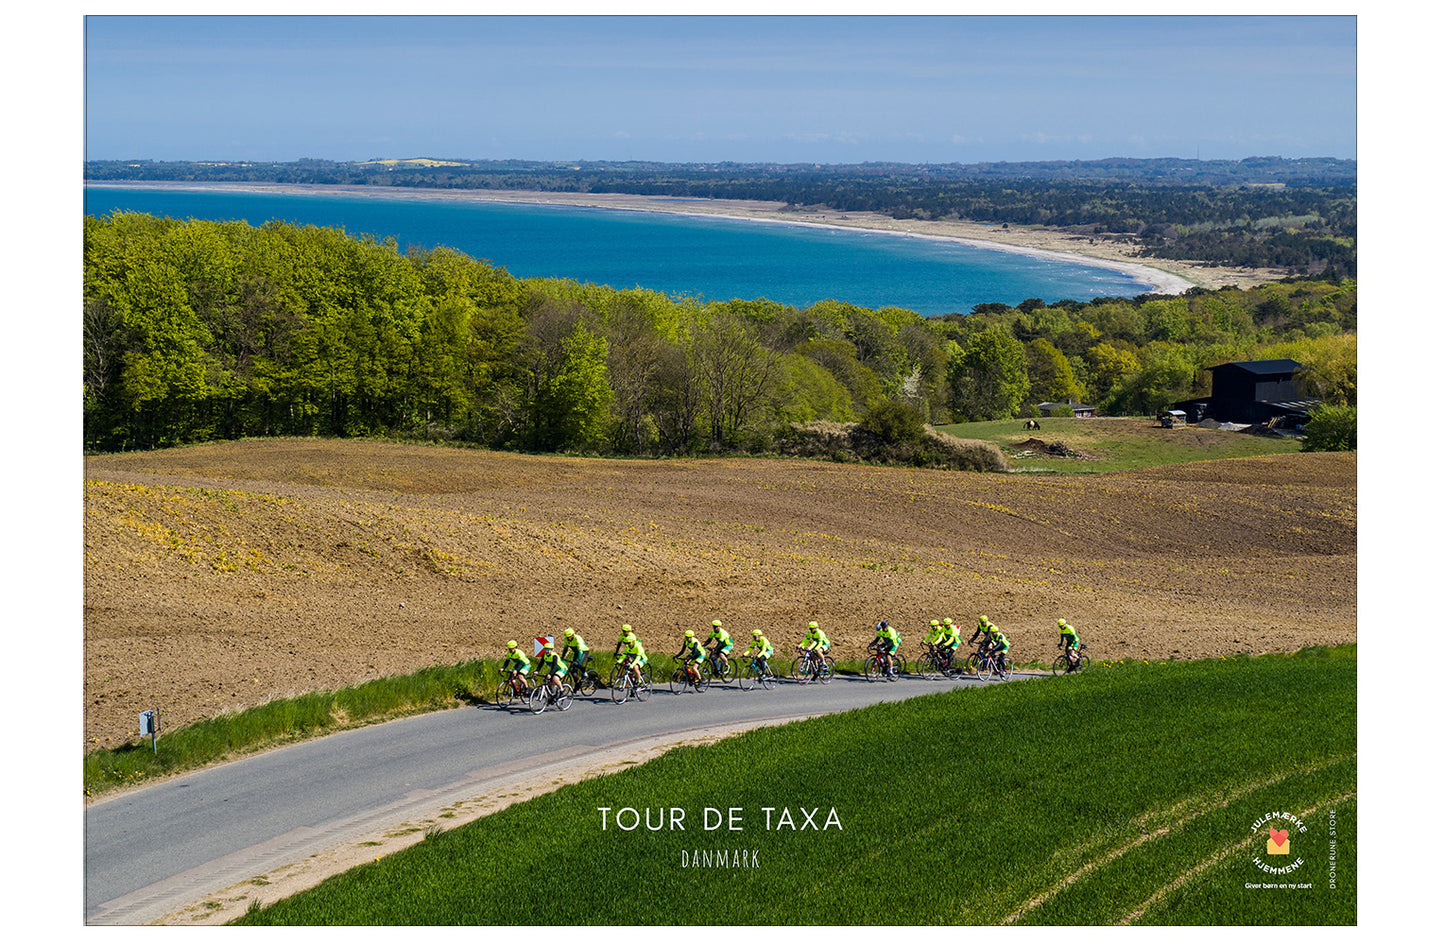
x: 221, y: 576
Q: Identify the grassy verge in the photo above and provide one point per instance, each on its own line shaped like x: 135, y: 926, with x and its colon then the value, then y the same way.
x: 1129, y: 794
x: 1111, y: 444
x: 286, y: 720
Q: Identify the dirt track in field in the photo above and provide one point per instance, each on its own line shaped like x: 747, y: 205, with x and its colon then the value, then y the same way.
x: 220, y: 576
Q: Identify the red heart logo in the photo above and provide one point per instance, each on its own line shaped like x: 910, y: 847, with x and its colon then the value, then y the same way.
x: 1278, y: 837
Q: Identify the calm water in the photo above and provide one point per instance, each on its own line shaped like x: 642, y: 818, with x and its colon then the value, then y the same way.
x: 707, y: 258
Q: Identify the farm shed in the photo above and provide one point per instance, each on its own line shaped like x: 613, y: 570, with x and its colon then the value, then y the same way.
x: 1059, y: 410
x: 1252, y: 392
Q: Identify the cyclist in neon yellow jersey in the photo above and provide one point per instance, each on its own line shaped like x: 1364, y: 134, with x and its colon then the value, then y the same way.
x: 764, y: 648
x: 949, y: 640
x: 720, y: 640
x: 816, y: 639
x: 634, y: 657
x: 516, y: 665
x: 997, y: 642
x: 577, y: 647
x: 692, y: 654
x: 887, y: 641
x: 984, y: 632
x: 552, y: 665
x: 1069, y: 637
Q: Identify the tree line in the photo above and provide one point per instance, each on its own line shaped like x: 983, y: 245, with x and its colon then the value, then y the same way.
x: 197, y: 330
x: 1298, y: 215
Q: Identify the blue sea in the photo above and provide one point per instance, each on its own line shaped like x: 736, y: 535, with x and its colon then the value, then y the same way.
x: 709, y: 258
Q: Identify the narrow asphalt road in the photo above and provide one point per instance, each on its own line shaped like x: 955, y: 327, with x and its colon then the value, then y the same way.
x: 154, y: 850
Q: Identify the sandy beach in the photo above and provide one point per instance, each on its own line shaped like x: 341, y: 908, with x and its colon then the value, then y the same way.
x: 1167, y: 277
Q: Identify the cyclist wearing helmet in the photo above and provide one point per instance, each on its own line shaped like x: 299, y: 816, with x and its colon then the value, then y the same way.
x: 985, y: 630
x: 552, y: 666
x: 948, y: 641
x: 634, y: 657
x: 516, y: 665
x: 764, y: 648
x: 816, y: 639
x: 1069, y: 638
x: 887, y: 641
x: 721, y: 640
x: 577, y: 646
x: 692, y: 653
x: 997, y: 642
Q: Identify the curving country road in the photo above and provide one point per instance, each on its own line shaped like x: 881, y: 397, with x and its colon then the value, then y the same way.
x: 156, y: 850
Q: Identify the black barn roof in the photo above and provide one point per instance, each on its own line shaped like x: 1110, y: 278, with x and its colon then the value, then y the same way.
x: 1275, y: 366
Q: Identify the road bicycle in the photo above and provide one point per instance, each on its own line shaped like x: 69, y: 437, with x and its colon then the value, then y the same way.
x: 509, y: 692
x: 758, y: 671
x: 1001, y: 665
x: 812, y: 666
x: 1061, y: 664
x: 624, y: 687
x: 722, y: 668
x: 548, y: 694
x: 584, y: 680
x: 933, y: 664
x: 882, y: 665
x: 974, y: 663
x: 681, y: 682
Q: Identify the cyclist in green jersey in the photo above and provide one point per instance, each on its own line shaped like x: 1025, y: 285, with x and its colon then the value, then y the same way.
x: 997, y: 642
x: 816, y: 639
x: 552, y: 666
x: 720, y: 640
x: 887, y: 641
x: 692, y: 654
x: 516, y: 665
x: 984, y: 631
x: 633, y: 656
x: 577, y: 648
x: 1069, y: 637
x: 945, y: 641
x: 764, y: 648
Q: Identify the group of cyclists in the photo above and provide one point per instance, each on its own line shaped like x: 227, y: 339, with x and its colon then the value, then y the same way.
x: 945, y: 638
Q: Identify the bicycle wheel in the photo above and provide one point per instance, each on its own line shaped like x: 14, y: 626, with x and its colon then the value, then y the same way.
x: 1061, y: 665
x: 644, y: 689
x: 769, y: 679
x: 537, y: 701
x: 504, y: 694
x: 586, y: 683
x: 826, y: 670
x: 620, y: 685
x: 564, y: 698
x: 678, y: 681
x: 703, y: 682
x: 729, y: 670
x: 873, y: 669
x: 1083, y: 664
x: 749, y: 677
x: 927, y: 666
x: 799, y: 670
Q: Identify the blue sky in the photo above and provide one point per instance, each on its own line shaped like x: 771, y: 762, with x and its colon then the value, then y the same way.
x: 789, y: 89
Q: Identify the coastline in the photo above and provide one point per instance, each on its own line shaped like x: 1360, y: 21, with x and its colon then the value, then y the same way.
x: 1166, y: 277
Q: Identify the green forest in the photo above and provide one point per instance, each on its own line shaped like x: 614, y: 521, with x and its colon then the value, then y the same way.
x: 1296, y: 214
x: 199, y: 330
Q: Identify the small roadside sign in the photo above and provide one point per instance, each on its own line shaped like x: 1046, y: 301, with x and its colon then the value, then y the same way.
x: 538, y: 643
x: 150, y: 724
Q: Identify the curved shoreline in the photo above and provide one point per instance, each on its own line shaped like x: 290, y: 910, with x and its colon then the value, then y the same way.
x: 1042, y: 244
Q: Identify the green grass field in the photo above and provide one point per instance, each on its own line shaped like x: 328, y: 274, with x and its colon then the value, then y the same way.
x: 1111, y: 444
x: 1135, y: 793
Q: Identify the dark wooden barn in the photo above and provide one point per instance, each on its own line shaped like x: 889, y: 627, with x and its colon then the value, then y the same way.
x: 1252, y: 392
